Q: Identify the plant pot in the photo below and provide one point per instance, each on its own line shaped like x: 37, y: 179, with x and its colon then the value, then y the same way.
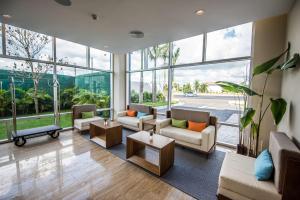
x: 241, y: 149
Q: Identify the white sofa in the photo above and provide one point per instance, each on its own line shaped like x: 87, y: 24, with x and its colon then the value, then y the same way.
x: 204, y: 141
x: 83, y: 124
x: 135, y: 123
x: 237, y: 180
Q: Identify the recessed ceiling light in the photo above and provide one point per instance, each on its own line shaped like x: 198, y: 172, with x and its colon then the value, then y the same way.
x: 199, y: 12
x: 136, y: 34
x: 64, y: 2
x: 105, y: 46
x: 6, y: 16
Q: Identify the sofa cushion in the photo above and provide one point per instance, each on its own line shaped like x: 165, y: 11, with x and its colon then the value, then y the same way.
x: 237, y: 175
x: 141, y: 114
x: 179, y: 123
x: 180, y: 134
x: 131, y: 121
x: 196, y: 126
x: 264, y: 166
x: 192, y: 115
x: 131, y: 113
x: 83, y: 123
x: 85, y: 115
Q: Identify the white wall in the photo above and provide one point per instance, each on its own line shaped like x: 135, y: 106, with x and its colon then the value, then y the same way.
x: 291, y: 79
x: 268, y: 41
x: 119, y: 79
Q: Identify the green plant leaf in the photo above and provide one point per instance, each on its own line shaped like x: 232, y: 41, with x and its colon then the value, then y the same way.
x: 291, y: 63
x: 236, y: 88
x: 278, y: 108
x: 247, y: 118
x: 267, y: 66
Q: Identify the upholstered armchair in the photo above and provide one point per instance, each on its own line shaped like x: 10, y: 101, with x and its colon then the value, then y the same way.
x: 135, y: 123
x: 83, y: 124
x: 205, y: 141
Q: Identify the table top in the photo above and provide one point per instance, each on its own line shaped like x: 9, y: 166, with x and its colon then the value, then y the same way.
x: 110, y: 124
x: 158, y: 141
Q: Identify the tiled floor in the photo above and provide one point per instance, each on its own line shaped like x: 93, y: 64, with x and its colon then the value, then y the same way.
x: 72, y: 167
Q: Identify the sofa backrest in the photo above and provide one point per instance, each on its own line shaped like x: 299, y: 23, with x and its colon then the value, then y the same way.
x: 78, y: 109
x: 282, y: 150
x: 141, y: 108
x: 192, y: 115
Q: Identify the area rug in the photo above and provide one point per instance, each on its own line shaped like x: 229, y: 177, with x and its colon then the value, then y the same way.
x: 191, y: 173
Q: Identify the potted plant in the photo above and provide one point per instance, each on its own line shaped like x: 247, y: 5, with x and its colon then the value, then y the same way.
x: 277, y: 106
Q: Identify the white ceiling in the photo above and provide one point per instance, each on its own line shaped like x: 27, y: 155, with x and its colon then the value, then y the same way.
x: 160, y: 20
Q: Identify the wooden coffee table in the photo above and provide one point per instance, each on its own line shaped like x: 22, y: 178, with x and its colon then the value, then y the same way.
x: 156, y: 155
x: 106, y: 135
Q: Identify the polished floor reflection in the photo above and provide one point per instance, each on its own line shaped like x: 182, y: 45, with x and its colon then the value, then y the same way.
x: 72, y: 167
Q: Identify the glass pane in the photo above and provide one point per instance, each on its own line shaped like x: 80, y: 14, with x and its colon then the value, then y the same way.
x: 5, y: 99
x: 193, y: 87
x: 135, y: 60
x: 136, y: 86
x: 100, y: 59
x: 28, y: 44
x: 188, y: 50
x: 66, y: 78
x: 1, y: 39
x: 92, y: 87
x: 228, y: 135
x: 229, y: 43
x: 147, y: 86
x: 157, y: 56
x: 70, y: 53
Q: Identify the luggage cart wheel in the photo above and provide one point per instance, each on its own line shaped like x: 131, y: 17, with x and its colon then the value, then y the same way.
x: 20, y: 141
x: 55, y: 134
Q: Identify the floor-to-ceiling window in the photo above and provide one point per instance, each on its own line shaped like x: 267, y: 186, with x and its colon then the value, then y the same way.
x: 50, y: 75
x: 188, y: 68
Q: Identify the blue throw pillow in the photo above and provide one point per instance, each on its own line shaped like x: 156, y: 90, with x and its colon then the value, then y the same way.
x: 141, y: 114
x: 264, y: 166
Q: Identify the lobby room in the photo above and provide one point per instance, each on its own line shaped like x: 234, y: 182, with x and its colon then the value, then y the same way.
x: 139, y: 99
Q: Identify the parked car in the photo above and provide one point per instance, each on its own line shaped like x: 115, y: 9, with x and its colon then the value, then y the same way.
x: 190, y: 94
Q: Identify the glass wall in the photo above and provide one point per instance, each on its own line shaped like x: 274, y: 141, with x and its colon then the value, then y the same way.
x: 193, y: 68
x: 36, y: 70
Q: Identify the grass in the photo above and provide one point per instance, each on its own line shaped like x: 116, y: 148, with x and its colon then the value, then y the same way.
x: 157, y: 104
x: 65, y: 121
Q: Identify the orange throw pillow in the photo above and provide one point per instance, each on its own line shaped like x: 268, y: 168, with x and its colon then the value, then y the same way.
x: 195, y: 126
x: 131, y: 113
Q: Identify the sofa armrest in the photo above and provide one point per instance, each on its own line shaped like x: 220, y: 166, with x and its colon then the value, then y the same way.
x: 142, y: 119
x: 162, y: 123
x: 121, y: 114
x: 208, y: 137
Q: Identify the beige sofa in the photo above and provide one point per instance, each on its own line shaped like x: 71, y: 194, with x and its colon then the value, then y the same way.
x: 83, y: 124
x: 204, y: 141
x: 237, y: 180
x: 135, y: 123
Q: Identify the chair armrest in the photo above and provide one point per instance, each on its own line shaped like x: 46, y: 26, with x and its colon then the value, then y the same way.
x: 208, y: 137
x: 142, y: 119
x: 162, y: 123
x: 121, y: 114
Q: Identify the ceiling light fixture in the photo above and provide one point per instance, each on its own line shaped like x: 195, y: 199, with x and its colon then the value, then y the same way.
x: 64, y: 2
x: 105, y: 46
x: 136, y: 34
x: 199, y: 12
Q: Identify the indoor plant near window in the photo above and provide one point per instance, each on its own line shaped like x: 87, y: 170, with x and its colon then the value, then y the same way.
x: 278, y: 106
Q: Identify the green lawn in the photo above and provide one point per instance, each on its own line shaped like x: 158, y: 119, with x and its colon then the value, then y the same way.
x: 65, y: 121
x: 157, y: 104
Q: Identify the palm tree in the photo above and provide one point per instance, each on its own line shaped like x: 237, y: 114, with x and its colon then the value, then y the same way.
x: 196, y: 86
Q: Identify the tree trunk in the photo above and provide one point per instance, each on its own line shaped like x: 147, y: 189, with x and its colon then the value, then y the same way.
x: 35, y: 97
